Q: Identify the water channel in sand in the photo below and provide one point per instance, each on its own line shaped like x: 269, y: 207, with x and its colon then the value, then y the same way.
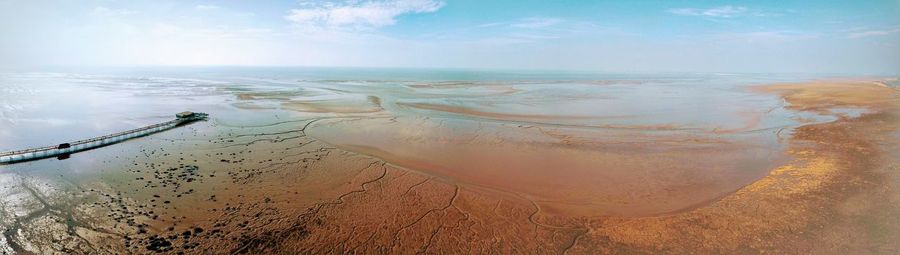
x: 631, y: 146
x: 580, y: 148
x: 575, y: 145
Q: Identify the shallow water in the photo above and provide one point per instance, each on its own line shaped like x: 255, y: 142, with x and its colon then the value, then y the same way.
x: 572, y: 144
x: 592, y: 144
x: 596, y: 147
x: 47, y: 108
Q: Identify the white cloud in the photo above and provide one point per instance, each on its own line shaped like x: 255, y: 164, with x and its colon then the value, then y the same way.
x: 529, y: 23
x: 370, y: 14
x: 764, y: 37
x: 727, y: 11
x: 523, y: 31
x: 536, y: 22
x: 513, y: 38
x: 101, y: 11
x: 869, y: 33
x: 492, y: 24
x: 206, y: 7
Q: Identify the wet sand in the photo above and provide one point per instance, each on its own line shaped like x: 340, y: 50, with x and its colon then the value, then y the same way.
x: 569, y: 171
x: 837, y: 195
x: 826, y: 200
x: 358, y: 181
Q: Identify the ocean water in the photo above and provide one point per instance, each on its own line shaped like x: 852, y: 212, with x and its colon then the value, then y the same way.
x: 45, y: 108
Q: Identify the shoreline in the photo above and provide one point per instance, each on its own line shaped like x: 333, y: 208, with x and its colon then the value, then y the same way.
x: 276, y: 189
x: 580, y: 241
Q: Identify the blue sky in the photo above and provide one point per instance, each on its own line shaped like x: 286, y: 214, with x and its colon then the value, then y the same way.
x: 854, y: 37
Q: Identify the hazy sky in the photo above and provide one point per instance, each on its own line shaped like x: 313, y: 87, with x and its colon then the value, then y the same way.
x: 861, y: 37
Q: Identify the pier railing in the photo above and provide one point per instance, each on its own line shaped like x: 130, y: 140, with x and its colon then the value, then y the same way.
x: 80, y: 145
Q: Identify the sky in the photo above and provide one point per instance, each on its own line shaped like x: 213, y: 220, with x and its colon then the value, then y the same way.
x: 824, y: 36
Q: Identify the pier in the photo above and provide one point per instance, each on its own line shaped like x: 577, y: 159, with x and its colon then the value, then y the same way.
x: 63, y: 150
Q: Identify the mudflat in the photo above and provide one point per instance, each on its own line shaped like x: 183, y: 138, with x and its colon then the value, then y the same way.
x: 565, y: 170
x: 799, y: 167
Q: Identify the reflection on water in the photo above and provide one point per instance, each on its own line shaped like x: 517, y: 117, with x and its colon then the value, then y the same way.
x: 46, y: 108
x: 42, y: 109
x: 580, y: 143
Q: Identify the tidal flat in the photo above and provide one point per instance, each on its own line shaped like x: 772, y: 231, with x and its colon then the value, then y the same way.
x: 413, y: 161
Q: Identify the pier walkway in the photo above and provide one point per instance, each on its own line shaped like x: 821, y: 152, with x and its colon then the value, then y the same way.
x: 64, y: 149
